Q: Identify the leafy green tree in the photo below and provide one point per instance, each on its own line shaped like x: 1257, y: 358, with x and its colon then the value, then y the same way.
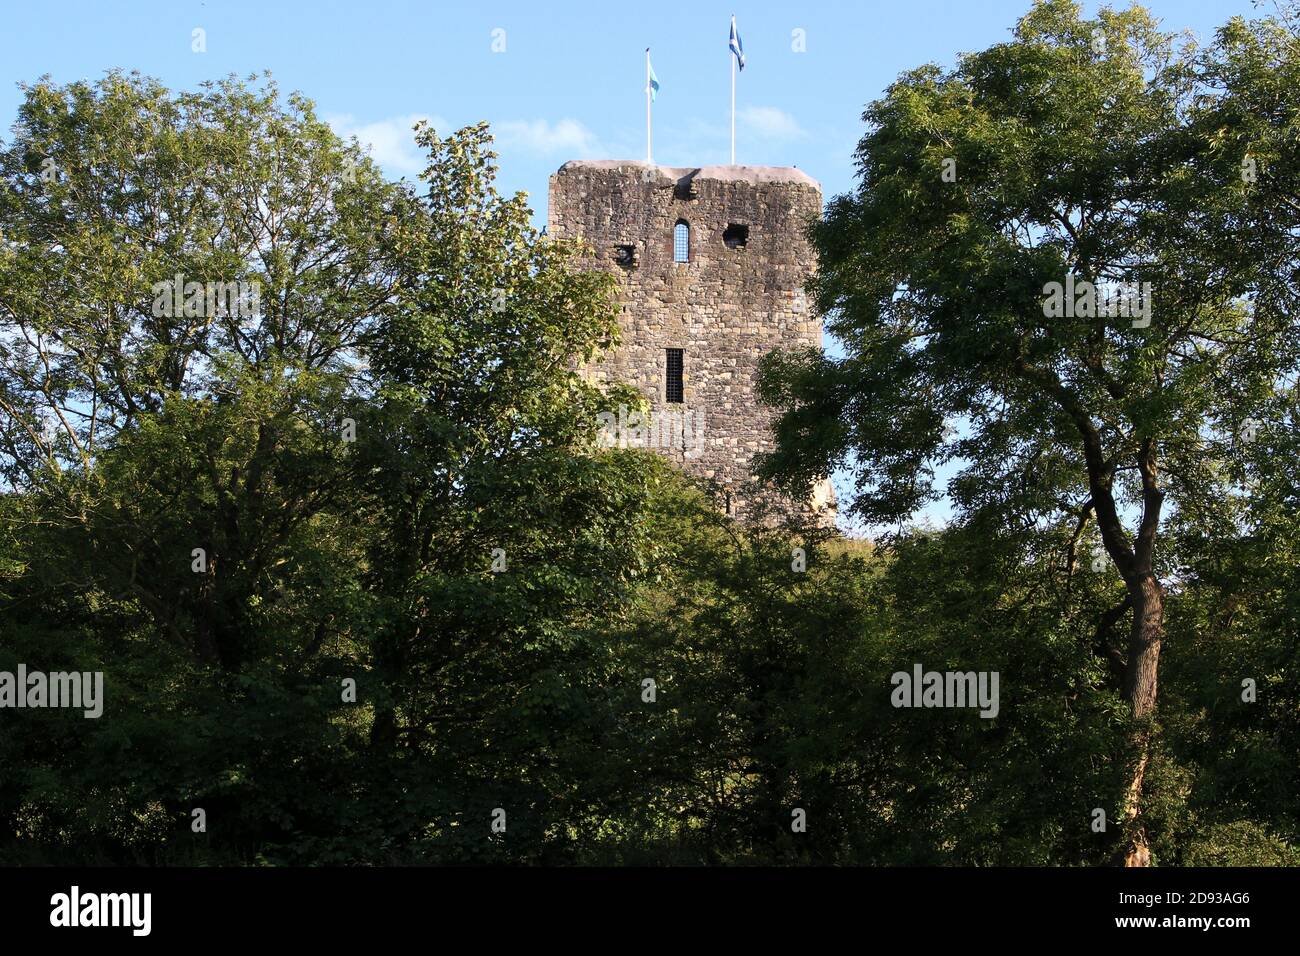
x: 1082, y: 150
x: 173, y: 475
x: 503, y: 540
x: 390, y: 471
x: 122, y: 202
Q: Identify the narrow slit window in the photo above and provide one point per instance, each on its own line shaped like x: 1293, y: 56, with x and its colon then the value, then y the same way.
x: 673, y: 387
x: 681, y: 242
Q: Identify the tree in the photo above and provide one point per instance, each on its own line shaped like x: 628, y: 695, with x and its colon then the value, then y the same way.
x: 504, y: 539
x: 1087, y: 159
x: 232, y: 505
x: 186, y: 281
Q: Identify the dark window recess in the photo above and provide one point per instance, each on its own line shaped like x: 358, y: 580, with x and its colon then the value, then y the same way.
x: 681, y: 242
x: 735, y: 236
x: 625, y: 256
x: 673, y: 387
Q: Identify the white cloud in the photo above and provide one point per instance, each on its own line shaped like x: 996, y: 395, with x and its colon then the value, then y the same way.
x: 391, y: 142
x: 543, y: 138
x: 771, y: 123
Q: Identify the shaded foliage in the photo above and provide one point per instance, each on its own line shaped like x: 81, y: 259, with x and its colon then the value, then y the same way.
x: 392, y: 477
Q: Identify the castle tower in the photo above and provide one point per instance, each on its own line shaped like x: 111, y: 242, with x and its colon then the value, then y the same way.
x: 711, y: 262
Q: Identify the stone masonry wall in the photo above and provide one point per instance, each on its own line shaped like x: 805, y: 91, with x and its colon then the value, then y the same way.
x: 725, y: 308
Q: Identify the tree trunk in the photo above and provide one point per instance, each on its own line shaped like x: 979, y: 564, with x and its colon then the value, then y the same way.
x: 1144, y: 645
x: 1140, y: 687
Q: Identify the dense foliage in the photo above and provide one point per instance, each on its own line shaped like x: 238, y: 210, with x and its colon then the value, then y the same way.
x: 365, y: 588
x: 1069, y: 279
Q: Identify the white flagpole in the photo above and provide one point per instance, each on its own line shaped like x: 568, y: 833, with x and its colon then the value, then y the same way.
x: 732, y: 57
x: 647, y: 107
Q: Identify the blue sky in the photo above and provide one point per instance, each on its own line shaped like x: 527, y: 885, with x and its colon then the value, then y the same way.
x: 570, y: 81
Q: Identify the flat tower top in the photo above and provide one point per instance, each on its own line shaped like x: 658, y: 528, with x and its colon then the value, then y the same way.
x: 749, y: 174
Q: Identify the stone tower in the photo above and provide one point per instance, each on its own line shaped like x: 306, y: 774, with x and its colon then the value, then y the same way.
x: 711, y: 263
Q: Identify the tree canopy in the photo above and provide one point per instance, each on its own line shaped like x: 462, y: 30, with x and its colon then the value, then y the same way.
x: 303, y: 462
x: 1050, y: 279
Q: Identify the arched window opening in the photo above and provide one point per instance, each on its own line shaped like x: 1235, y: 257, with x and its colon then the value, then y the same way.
x: 681, y: 242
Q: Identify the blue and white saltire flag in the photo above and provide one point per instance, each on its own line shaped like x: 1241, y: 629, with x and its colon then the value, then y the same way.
x: 735, y: 44
x: 654, y: 81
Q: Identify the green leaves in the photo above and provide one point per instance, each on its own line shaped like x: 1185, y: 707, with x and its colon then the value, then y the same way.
x: 391, y: 470
x: 1084, y: 151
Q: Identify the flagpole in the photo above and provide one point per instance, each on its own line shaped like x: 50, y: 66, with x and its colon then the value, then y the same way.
x: 732, y: 58
x: 648, y: 160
